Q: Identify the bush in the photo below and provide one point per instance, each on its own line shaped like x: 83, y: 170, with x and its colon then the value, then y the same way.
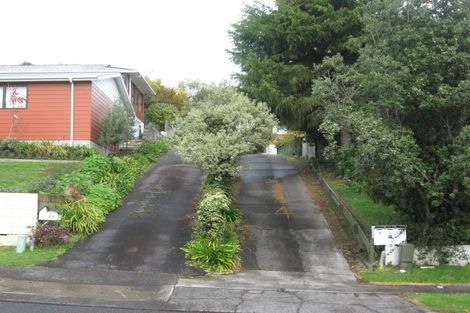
x: 78, y: 181
x: 213, y: 256
x: 82, y: 217
x: 103, y: 197
x: 210, y: 218
x: 152, y: 149
x: 43, y: 150
x: 97, y: 167
x: 50, y: 234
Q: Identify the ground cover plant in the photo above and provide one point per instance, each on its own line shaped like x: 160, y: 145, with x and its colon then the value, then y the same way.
x: 443, y: 302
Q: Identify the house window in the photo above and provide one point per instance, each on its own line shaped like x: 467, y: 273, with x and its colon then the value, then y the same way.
x: 13, y: 97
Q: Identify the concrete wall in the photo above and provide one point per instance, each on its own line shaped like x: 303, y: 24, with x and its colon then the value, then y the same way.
x: 18, y: 212
x: 462, y: 257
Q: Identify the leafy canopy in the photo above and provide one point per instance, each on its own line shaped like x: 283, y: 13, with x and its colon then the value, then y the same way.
x: 220, y: 127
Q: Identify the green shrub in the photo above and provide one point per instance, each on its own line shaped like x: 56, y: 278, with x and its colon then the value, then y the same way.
x: 213, y: 256
x: 152, y: 149
x: 223, y: 182
x: 43, y: 150
x: 76, y: 180
x: 82, y: 217
x: 210, y: 218
x: 97, y: 167
x: 103, y: 197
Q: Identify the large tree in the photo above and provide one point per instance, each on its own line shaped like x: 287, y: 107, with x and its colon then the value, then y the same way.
x: 277, y: 47
x: 406, y: 102
x: 165, y: 105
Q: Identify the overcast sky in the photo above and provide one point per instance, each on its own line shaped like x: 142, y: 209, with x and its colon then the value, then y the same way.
x: 168, y: 39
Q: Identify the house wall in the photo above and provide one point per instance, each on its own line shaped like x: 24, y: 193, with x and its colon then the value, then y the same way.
x: 47, y: 116
x: 104, y: 95
x: 135, y: 98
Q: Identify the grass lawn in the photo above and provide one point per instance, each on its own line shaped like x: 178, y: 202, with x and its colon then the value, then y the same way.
x: 366, y: 210
x: 19, y: 176
x: 442, y: 302
x: 444, y: 274
x: 9, y: 257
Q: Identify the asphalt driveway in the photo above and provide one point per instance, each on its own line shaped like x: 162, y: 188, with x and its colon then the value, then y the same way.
x: 287, y: 232
x: 147, y: 232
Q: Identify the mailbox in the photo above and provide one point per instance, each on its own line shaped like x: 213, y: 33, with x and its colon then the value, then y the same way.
x: 49, y: 214
x: 388, y: 235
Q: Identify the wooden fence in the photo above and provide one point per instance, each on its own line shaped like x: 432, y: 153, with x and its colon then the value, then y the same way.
x: 361, y: 237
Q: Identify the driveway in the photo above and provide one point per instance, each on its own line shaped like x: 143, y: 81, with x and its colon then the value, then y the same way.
x: 147, y: 232
x: 290, y: 261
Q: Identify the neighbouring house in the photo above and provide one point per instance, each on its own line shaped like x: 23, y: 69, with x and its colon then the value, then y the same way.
x: 66, y: 104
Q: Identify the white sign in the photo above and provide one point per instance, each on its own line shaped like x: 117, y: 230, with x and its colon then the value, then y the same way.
x: 388, y: 235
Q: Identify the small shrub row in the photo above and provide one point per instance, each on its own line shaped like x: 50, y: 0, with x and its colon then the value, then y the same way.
x: 11, y: 148
x: 99, y: 185
x: 215, y: 246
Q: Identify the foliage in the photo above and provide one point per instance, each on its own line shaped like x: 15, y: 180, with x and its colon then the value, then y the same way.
x: 213, y: 256
x: 82, y: 216
x: 222, y: 126
x: 448, y: 302
x: 118, y: 126
x: 10, y: 148
x: 158, y: 113
x: 152, y: 149
x: 211, y: 221
x: 96, y: 167
x: 443, y: 274
x: 51, y: 234
x: 103, y: 197
x: 277, y: 47
x: 367, y: 211
x: 75, y: 180
x: 405, y: 104
x: 163, y: 94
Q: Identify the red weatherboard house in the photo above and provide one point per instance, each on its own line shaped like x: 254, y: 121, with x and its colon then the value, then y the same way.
x: 66, y: 104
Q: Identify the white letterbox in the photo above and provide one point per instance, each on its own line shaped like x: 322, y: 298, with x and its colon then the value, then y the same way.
x: 388, y: 235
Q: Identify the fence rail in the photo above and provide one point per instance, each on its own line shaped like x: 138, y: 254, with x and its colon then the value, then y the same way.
x: 361, y: 237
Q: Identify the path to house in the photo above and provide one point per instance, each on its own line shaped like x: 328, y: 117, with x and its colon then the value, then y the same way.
x: 291, y: 263
x: 147, y: 232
